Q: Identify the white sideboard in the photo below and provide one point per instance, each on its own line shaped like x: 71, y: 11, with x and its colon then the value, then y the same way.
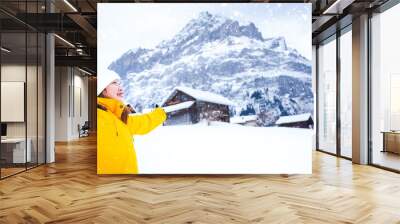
x: 18, y: 144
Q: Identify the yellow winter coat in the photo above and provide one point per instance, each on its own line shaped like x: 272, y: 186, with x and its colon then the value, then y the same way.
x: 115, y: 151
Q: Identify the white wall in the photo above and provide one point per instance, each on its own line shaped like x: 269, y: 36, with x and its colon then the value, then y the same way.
x: 61, y: 103
x: 71, y: 102
x: 12, y: 73
x: 33, y: 126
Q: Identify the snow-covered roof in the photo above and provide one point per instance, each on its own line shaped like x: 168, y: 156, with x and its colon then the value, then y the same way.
x: 179, y: 106
x: 202, y: 96
x: 243, y: 119
x: 293, y: 118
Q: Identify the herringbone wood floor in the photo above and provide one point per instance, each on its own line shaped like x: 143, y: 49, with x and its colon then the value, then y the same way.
x: 69, y: 191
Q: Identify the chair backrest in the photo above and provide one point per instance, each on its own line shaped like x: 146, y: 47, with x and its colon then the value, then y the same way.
x: 86, y: 125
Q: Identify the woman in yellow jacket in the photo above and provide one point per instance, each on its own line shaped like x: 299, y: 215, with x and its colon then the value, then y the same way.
x: 116, y: 128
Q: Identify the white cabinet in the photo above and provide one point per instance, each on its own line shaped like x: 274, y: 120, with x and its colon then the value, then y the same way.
x: 17, y: 146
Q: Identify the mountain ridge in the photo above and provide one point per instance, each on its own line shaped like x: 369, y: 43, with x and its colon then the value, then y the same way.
x: 219, y: 55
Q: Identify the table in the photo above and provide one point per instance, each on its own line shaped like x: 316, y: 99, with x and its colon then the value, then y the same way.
x: 391, y: 141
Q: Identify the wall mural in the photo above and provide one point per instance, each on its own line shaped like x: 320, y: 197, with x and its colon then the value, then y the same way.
x: 211, y: 88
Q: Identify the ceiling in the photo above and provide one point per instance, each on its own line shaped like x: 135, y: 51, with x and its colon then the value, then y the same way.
x: 75, y: 22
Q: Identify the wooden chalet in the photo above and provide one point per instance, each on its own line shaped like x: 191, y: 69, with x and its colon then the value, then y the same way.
x: 189, y: 106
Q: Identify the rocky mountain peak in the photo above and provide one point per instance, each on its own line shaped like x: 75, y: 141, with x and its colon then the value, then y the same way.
x: 279, y: 43
x: 220, y: 55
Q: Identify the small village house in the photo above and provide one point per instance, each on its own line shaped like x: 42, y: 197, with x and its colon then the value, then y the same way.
x: 189, y: 106
x: 296, y: 121
x: 249, y: 120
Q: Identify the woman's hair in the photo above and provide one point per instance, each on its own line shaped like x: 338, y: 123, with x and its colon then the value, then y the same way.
x: 124, y: 115
x: 126, y: 111
x: 102, y: 94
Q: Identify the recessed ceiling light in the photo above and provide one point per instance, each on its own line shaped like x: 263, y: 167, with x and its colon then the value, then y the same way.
x: 338, y: 6
x: 70, y: 5
x: 5, y: 50
x: 64, y: 40
x: 84, y: 71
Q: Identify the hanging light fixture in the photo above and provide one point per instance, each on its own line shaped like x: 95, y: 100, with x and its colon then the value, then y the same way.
x: 5, y: 50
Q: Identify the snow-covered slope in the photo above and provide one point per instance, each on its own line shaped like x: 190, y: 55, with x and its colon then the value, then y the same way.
x: 224, y: 149
x: 217, y: 54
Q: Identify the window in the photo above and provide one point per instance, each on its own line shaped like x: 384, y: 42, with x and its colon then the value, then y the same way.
x: 385, y: 89
x: 327, y: 96
x: 346, y: 94
x: 23, y: 76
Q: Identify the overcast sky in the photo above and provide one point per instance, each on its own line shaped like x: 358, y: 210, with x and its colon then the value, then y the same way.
x: 123, y: 26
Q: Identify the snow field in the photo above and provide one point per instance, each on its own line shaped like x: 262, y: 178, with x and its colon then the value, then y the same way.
x: 224, y: 149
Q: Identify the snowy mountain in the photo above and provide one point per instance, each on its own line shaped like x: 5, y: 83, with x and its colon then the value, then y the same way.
x: 212, y: 53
